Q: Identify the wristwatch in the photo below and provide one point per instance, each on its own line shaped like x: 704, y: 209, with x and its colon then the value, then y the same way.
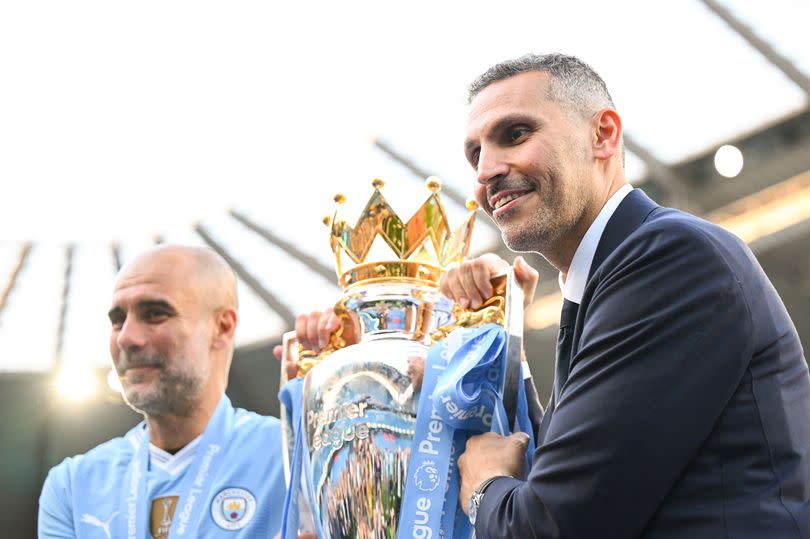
x: 478, y: 495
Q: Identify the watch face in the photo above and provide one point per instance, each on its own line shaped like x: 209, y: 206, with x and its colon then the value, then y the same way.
x: 473, y: 509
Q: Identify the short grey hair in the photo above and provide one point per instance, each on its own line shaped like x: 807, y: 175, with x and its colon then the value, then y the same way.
x: 574, y: 84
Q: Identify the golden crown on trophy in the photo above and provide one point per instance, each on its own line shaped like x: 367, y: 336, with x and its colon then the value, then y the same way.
x: 381, y: 246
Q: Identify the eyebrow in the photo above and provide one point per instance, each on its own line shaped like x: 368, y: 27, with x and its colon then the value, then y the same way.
x: 143, y: 304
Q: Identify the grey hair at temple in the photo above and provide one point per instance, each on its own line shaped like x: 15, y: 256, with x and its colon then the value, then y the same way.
x: 574, y: 84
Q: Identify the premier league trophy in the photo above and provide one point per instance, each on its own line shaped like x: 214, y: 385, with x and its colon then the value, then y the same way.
x: 370, y: 439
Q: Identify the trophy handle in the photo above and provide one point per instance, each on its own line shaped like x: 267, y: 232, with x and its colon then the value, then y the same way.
x: 513, y: 324
x: 306, y: 359
x: 504, y: 308
x: 289, y: 353
x: 496, y: 310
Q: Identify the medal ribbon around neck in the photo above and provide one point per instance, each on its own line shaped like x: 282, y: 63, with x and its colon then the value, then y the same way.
x: 194, y: 489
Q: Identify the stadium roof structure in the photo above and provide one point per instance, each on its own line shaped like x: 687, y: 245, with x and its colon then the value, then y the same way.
x: 233, y: 126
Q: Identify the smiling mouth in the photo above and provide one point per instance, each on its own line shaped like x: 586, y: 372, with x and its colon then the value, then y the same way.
x: 504, y: 202
x: 138, y: 371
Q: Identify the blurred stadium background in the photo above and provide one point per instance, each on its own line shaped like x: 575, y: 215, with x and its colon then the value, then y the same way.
x: 233, y: 126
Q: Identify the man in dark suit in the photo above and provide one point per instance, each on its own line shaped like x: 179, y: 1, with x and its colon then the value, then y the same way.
x: 681, y: 403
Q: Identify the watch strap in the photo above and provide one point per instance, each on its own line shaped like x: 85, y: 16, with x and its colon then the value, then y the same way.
x: 478, y: 495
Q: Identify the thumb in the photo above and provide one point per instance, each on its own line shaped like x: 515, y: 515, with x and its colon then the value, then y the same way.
x: 521, y: 438
x: 277, y: 351
x: 527, y: 277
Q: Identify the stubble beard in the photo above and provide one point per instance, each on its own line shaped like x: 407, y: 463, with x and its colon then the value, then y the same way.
x: 175, y: 392
x: 542, y: 230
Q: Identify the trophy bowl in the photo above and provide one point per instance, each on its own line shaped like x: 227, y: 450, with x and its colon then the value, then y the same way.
x: 360, y: 408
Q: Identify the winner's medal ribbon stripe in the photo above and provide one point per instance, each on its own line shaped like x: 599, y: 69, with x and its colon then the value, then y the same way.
x: 193, y: 490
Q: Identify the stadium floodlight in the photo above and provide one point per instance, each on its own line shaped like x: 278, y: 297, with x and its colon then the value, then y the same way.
x: 76, y: 383
x: 113, y: 382
x: 728, y: 161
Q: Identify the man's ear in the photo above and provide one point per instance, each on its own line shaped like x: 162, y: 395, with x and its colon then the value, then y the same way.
x: 225, y: 325
x: 607, y: 139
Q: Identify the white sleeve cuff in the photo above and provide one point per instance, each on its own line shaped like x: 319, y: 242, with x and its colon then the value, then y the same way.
x: 524, y: 367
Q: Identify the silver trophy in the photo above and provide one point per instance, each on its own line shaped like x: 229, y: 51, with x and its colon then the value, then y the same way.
x: 360, y: 401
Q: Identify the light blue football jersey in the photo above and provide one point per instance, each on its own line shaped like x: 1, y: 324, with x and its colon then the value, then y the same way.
x: 229, y: 482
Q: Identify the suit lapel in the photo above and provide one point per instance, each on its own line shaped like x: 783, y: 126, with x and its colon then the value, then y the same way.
x: 631, y: 212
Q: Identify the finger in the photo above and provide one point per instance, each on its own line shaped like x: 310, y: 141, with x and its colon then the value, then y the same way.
x: 444, y: 286
x: 277, y: 349
x: 312, y: 331
x: 496, y: 264
x: 482, y: 275
x: 481, y: 271
x: 527, y: 278
x: 301, y: 330
x: 462, y: 462
x: 468, y: 282
x: 453, y: 288
x: 520, y: 438
x: 475, y: 441
x: 326, y: 324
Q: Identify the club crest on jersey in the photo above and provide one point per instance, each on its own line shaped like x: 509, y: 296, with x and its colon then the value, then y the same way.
x: 233, y: 508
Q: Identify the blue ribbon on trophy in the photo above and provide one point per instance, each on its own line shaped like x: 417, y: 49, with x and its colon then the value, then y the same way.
x: 462, y: 395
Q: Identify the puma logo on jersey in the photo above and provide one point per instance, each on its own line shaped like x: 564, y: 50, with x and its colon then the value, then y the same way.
x: 90, y: 519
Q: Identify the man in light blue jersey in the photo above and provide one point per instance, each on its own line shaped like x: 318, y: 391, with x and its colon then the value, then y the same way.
x: 195, y: 467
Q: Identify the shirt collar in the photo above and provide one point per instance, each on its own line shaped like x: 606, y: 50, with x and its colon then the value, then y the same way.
x: 574, y: 285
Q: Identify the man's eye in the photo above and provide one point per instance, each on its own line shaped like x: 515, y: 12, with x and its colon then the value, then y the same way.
x: 517, y: 133
x: 117, y: 322
x: 155, y: 314
x: 473, y: 158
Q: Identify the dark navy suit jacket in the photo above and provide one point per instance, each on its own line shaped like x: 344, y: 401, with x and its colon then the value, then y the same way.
x: 686, y: 411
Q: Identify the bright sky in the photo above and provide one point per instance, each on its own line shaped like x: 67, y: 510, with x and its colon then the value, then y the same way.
x: 122, y: 120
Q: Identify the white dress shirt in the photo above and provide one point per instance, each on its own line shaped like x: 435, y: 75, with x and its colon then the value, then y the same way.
x: 573, y: 285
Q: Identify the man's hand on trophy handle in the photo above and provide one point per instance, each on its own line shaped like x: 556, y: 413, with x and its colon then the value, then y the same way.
x: 313, y: 331
x: 470, y: 284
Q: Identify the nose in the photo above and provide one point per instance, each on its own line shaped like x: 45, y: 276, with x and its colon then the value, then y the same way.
x: 130, y: 336
x: 491, y: 165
